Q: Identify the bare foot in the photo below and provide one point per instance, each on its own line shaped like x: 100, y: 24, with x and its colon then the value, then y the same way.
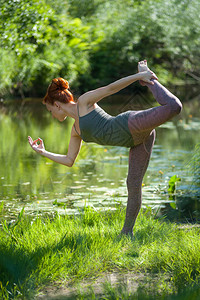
x: 142, y: 67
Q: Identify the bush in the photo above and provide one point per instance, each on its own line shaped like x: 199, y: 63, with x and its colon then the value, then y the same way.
x: 41, y: 45
x: 94, y: 42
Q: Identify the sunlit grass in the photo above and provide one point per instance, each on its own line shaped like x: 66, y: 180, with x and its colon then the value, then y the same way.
x: 69, y: 248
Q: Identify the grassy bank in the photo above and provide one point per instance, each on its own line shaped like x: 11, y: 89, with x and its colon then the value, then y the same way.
x: 34, y: 253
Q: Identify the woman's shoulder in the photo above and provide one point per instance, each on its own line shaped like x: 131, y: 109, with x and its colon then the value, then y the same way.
x: 82, y: 100
x: 85, y: 108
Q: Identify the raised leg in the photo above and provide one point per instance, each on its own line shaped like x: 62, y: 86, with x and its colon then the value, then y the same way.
x: 138, y: 162
x: 141, y: 123
x: 151, y: 118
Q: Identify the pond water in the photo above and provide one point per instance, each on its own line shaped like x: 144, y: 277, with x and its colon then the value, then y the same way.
x: 98, y: 178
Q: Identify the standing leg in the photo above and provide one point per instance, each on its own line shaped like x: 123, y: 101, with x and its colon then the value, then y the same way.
x: 138, y: 162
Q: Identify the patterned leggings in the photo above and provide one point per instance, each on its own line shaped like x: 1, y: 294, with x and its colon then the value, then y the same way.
x: 141, y: 125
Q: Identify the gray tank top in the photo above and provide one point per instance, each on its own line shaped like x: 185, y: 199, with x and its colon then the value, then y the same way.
x: 101, y: 128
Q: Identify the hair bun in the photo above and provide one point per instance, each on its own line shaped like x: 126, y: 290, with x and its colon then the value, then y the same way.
x: 58, y: 90
x: 61, y: 83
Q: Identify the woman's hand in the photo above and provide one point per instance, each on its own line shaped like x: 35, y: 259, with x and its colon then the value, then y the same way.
x: 39, y: 148
x: 146, y: 76
x: 145, y: 73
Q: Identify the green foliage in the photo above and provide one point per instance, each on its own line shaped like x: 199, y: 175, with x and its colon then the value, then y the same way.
x: 41, y: 45
x: 10, y: 227
x: 172, y: 184
x: 154, y: 30
x: 94, y: 42
x: 172, y: 189
x: 195, y: 165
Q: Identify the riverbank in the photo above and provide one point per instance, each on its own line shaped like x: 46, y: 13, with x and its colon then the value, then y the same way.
x: 68, y: 250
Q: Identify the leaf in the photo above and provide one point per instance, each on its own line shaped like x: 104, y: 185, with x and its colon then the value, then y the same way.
x: 173, y: 205
x: 74, y: 42
x: 21, y: 214
x: 172, y: 183
x: 12, y: 226
x: 1, y: 206
x: 59, y: 203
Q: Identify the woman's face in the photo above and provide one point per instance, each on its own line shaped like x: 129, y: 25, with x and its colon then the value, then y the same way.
x: 56, y: 111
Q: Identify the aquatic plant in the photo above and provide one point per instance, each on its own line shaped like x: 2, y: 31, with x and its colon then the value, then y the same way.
x: 195, y: 165
x: 172, y: 184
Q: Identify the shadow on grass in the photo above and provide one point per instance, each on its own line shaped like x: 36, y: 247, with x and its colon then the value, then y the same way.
x: 20, y: 268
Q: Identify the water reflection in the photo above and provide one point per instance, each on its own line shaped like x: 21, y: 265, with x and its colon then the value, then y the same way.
x: 98, y: 178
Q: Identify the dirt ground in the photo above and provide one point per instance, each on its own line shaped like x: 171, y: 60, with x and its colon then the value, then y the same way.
x: 60, y: 291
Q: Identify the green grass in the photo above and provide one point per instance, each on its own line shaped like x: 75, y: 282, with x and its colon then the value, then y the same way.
x: 35, y: 253
x: 121, y: 292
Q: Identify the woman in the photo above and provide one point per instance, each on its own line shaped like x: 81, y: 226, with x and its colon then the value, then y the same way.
x: 133, y: 129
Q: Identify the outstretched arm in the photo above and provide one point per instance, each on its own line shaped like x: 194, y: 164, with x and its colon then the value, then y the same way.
x: 94, y: 96
x: 67, y: 160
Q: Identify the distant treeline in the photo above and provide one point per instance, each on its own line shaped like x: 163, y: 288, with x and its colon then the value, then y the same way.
x: 93, y: 42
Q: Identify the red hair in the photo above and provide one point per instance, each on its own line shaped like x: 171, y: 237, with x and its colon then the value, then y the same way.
x: 58, y: 90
